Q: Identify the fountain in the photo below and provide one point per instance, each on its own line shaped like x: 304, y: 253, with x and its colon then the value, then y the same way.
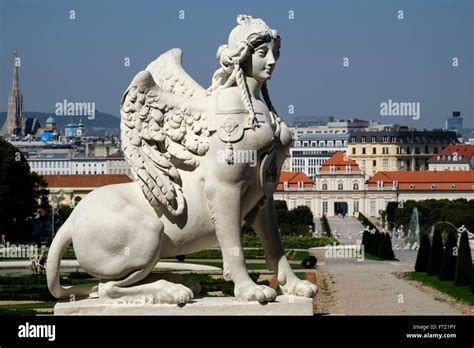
x: 413, y: 234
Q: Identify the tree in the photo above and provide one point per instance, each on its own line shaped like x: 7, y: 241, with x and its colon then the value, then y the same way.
x: 281, y: 211
x: 423, y: 258
x: 436, y: 253
x: 372, y: 245
x: 301, y: 215
x: 378, y: 243
x: 458, y: 212
x: 365, y: 239
x: 63, y: 213
x: 19, y: 191
x: 325, y: 225
x: 463, y: 274
x: 386, y: 252
x: 448, y: 263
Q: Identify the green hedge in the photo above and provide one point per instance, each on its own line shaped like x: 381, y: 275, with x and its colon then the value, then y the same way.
x: 423, y: 257
x: 436, y: 255
x: 366, y: 222
x: 325, y: 226
x: 463, y: 275
x: 378, y: 245
x: 291, y: 242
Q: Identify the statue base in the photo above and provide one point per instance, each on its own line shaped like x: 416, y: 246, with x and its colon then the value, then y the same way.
x: 283, y: 305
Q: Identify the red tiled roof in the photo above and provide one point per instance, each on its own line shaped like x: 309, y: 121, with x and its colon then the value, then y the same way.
x: 423, y: 180
x: 340, y: 160
x: 293, y: 178
x: 466, y: 151
x: 85, y: 180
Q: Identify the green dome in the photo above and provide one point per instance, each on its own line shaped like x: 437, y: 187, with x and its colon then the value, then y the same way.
x: 50, y: 120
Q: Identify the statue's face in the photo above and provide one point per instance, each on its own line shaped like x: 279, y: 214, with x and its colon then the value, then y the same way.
x: 260, y: 66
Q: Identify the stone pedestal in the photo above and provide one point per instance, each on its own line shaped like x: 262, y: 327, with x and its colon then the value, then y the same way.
x: 283, y: 305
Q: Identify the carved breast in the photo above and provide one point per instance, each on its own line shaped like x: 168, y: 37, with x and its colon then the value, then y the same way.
x: 232, y: 123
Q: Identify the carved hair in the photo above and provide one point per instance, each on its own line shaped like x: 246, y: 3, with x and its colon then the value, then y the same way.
x: 243, y: 40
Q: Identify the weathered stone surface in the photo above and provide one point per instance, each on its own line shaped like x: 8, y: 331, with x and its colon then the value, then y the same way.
x: 283, y: 305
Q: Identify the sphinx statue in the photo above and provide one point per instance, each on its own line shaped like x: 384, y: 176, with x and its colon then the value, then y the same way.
x: 191, y: 189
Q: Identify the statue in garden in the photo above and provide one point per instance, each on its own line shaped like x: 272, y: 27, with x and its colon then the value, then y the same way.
x: 192, y: 188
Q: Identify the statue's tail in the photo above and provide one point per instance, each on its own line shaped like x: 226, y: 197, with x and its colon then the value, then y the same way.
x: 53, y: 267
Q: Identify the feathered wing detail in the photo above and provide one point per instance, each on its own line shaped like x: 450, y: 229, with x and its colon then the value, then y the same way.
x: 163, y: 124
x: 168, y: 73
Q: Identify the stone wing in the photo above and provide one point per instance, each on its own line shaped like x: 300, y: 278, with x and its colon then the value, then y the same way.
x: 163, y: 126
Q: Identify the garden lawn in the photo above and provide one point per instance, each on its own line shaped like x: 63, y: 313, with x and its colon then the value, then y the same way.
x: 462, y: 293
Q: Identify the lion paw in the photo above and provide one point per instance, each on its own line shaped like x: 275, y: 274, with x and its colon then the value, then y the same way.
x: 253, y: 292
x: 160, y: 291
x: 298, y: 287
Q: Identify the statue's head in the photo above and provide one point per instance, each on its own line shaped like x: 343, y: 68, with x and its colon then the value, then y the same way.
x: 254, y: 46
x: 252, y: 51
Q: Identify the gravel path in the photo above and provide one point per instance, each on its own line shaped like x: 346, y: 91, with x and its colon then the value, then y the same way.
x: 371, y: 288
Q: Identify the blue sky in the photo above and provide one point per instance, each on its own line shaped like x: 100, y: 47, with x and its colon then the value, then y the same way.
x: 403, y: 60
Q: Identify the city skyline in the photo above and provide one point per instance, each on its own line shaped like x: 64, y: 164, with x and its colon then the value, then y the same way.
x: 404, y: 60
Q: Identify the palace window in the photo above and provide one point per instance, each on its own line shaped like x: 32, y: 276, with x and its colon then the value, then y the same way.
x: 372, y: 207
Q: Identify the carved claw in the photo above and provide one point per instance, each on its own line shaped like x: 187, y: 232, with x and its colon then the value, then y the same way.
x: 298, y: 287
x: 253, y: 292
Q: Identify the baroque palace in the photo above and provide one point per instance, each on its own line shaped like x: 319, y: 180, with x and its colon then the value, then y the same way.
x: 340, y: 188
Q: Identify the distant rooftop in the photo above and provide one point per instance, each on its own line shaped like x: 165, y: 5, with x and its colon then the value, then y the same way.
x: 85, y: 181
x: 340, y: 162
x: 454, y: 153
x: 425, y: 180
x: 293, y: 179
